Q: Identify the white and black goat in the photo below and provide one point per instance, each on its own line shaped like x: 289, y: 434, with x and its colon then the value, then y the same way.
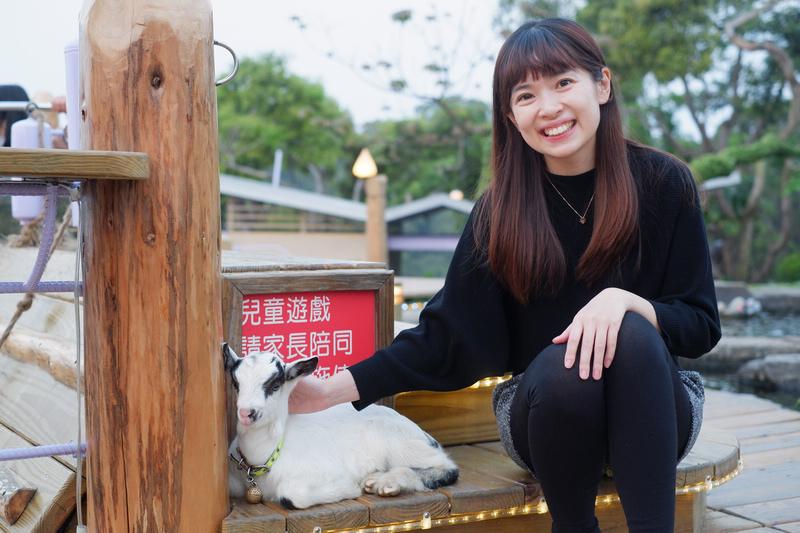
x: 324, y: 457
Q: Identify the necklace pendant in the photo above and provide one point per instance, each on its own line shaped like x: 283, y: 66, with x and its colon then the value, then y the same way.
x: 582, y: 217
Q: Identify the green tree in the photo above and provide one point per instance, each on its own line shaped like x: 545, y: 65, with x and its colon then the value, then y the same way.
x: 716, y: 83
x: 266, y: 108
x: 445, y: 147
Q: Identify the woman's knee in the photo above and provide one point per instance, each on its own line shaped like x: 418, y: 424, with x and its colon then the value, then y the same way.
x: 546, y: 370
x: 548, y: 381
x: 639, y: 341
x: 637, y: 329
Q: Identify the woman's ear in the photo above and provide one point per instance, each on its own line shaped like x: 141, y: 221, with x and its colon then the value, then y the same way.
x: 513, y: 120
x: 604, y: 86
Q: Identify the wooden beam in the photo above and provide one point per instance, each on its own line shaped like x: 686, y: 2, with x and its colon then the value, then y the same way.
x: 73, y: 165
x: 154, y: 375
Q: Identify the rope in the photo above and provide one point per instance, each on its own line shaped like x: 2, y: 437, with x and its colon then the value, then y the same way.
x: 51, y: 450
x: 29, y: 235
x: 40, y: 117
x: 27, y: 300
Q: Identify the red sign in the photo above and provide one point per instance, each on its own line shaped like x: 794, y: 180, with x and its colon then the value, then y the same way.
x: 336, y: 326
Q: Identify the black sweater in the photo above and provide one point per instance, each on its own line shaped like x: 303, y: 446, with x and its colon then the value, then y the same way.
x: 474, y: 328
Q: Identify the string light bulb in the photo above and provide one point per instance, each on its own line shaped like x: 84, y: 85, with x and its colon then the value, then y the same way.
x: 539, y: 507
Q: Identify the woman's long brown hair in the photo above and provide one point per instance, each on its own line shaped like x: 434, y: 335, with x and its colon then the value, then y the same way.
x: 512, y: 225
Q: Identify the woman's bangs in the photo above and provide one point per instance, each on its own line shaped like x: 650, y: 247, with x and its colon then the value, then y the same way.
x: 539, y: 55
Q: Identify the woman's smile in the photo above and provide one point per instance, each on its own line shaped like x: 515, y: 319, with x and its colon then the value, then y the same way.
x: 559, y: 130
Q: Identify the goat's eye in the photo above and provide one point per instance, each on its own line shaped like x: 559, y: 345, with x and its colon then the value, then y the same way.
x: 271, y: 387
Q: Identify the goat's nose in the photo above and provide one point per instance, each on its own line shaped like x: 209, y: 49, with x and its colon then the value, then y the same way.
x: 246, y: 413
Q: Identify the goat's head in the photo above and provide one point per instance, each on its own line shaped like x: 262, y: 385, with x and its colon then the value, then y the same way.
x: 263, y: 384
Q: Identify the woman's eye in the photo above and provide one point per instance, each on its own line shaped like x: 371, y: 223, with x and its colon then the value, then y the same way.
x: 564, y: 83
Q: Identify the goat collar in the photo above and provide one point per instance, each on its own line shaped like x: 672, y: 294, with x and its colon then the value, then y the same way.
x: 257, y: 470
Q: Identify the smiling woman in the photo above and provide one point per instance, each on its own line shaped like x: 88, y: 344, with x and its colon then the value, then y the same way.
x: 577, y: 254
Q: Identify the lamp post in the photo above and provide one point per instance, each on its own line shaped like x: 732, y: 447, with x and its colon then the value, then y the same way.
x: 375, y: 189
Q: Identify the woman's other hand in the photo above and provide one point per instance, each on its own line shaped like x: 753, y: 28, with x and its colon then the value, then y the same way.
x: 592, y: 336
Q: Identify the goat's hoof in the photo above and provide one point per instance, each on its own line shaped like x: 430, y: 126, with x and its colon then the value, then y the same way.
x: 389, y: 490
x: 369, y: 484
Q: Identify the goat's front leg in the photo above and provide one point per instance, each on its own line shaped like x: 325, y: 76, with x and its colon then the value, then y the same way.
x: 398, y: 479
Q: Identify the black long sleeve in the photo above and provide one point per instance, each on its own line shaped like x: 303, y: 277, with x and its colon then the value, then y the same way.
x: 462, y: 336
x: 474, y: 328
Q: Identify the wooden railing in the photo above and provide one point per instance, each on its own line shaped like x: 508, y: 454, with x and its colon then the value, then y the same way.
x: 241, y: 215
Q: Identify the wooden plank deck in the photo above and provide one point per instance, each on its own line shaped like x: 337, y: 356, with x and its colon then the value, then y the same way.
x: 35, y: 409
x: 493, y: 495
x: 766, y: 495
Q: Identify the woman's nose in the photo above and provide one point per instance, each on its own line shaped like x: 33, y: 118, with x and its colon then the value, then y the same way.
x: 549, y: 104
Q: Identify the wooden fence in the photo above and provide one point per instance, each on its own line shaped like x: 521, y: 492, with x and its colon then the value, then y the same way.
x: 243, y: 215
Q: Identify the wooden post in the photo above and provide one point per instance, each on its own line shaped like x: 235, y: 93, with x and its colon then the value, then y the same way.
x: 154, y: 378
x: 376, y: 234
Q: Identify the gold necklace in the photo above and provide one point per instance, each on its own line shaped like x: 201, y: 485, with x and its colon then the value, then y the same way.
x: 583, y: 216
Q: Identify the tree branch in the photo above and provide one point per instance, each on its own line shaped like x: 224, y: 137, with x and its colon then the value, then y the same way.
x: 724, y: 205
x: 786, y: 225
x: 666, y: 131
x: 759, y: 183
x: 230, y: 162
x: 708, y: 147
x: 725, y: 129
x: 780, y: 56
x: 319, y: 178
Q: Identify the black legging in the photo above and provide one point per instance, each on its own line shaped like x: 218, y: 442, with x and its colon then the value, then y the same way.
x: 638, y: 416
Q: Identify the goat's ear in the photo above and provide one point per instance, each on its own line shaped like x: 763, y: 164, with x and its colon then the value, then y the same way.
x: 230, y: 357
x: 301, y: 368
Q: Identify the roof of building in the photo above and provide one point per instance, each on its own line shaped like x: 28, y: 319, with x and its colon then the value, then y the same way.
x: 249, y: 189
x: 429, y: 203
x: 267, y: 193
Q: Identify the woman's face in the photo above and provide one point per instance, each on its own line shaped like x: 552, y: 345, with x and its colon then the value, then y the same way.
x: 558, y: 117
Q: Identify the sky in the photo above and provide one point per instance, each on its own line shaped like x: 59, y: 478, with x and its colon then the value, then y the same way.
x: 338, y: 37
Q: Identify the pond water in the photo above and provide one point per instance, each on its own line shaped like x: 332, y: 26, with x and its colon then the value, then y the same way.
x: 730, y: 383
x: 764, y: 324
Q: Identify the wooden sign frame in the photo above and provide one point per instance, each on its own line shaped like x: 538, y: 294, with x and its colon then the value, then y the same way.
x: 238, y: 285
x: 277, y: 279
